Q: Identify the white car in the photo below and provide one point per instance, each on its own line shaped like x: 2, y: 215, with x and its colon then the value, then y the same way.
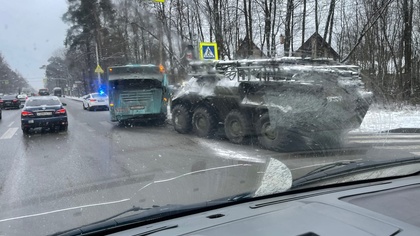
x: 22, y: 98
x: 94, y: 101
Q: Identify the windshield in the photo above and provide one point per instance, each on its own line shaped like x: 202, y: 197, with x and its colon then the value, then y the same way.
x: 132, y: 84
x: 203, y: 101
x: 40, y: 102
x: 8, y: 97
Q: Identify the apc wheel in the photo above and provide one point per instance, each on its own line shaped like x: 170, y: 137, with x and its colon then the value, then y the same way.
x: 237, y: 126
x: 270, y: 137
x: 204, y: 122
x: 181, y: 119
x: 84, y: 108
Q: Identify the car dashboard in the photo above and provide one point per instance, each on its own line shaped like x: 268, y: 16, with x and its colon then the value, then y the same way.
x: 387, y: 207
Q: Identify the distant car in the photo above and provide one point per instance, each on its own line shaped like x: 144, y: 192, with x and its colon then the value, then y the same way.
x: 43, y: 92
x: 22, y: 98
x: 44, y: 112
x: 10, y: 101
x: 95, y: 101
x: 57, y: 91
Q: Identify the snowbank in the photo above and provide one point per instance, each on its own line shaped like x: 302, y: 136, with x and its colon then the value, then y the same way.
x: 382, y: 119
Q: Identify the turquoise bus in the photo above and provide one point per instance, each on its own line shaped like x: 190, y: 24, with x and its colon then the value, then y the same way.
x: 138, y: 93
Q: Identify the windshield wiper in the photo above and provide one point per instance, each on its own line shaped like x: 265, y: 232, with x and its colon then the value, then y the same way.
x: 329, y: 166
x: 80, y: 230
x: 155, y: 213
x: 340, y: 169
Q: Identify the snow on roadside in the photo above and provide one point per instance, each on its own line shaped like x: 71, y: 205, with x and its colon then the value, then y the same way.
x: 382, y: 119
x: 74, y: 98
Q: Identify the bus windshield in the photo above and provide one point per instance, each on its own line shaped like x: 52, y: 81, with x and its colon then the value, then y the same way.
x: 137, y: 93
x: 145, y: 70
x: 133, y: 84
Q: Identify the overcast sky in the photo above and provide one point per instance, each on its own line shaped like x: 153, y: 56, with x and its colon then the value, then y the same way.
x: 30, y: 31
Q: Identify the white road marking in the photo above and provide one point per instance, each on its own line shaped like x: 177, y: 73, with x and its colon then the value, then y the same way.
x: 11, y: 124
x: 9, y: 133
x: 415, y: 153
x: 65, y: 209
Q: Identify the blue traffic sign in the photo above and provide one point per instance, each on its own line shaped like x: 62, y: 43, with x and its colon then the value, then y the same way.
x: 208, y: 51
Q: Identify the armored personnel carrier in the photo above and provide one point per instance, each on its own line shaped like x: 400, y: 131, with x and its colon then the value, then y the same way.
x: 284, y: 103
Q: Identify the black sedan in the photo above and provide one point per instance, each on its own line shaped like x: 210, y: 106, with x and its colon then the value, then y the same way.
x: 10, y: 101
x: 44, y: 112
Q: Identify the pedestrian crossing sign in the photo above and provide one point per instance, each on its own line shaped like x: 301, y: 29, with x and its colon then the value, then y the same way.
x: 99, y: 69
x: 208, y: 51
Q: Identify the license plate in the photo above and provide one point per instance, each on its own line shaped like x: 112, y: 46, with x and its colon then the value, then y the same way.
x: 137, y: 107
x: 44, y: 113
x: 8, y: 102
x: 101, y: 100
x: 30, y: 121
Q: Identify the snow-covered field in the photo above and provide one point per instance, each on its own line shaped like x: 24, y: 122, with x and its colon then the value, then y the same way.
x: 382, y: 119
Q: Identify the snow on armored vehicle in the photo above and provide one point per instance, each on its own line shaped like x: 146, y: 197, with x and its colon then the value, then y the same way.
x: 287, y: 103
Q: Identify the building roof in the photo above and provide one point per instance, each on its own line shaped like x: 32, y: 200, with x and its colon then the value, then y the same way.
x: 242, y: 52
x: 318, y: 44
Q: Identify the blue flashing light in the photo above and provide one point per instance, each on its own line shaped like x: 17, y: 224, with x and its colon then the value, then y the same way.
x: 102, y: 90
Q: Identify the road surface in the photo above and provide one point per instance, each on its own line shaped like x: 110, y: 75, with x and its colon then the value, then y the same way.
x: 100, y: 163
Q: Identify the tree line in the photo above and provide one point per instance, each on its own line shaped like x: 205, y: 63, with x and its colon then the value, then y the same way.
x: 11, y: 81
x: 380, y: 36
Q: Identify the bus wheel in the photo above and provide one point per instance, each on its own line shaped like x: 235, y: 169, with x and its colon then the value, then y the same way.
x: 237, y: 126
x: 269, y: 136
x: 204, y: 122
x: 181, y: 119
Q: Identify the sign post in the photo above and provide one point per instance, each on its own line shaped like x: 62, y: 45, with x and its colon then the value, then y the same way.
x: 208, y: 51
x: 98, y: 69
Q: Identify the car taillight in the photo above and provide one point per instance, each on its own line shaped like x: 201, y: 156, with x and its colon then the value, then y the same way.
x: 92, y: 100
x: 27, y: 113
x: 60, y: 112
x: 1, y: 101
